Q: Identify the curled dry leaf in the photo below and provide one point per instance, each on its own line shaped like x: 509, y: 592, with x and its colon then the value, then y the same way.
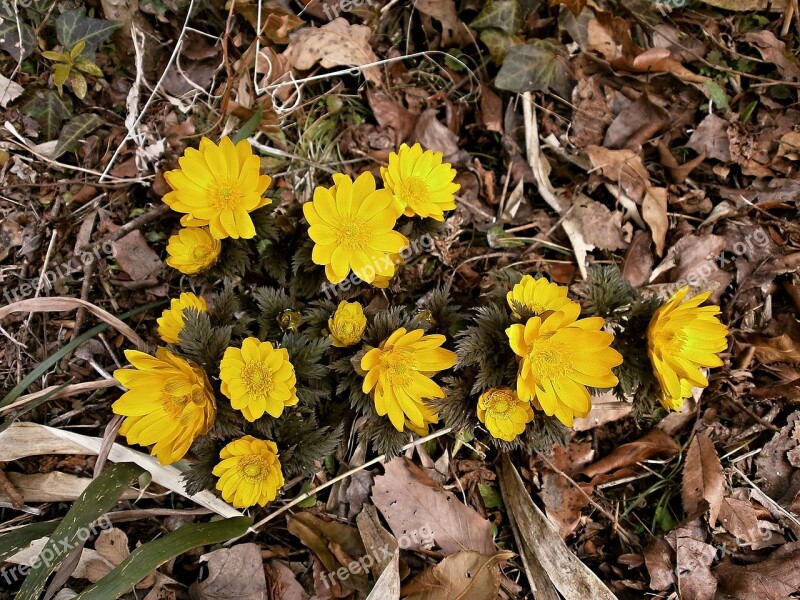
x: 335, y: 44
x: 413, y: 504
x: 703, y: 477
x: 777, y: 578
x: 235, y: 572
x: 136, y: 257
x: 653, y: 443
x: 465, y: 574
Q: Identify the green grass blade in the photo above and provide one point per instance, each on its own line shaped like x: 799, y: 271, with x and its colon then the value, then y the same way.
x: 18, y: 539
x: 97, y: 498
x: 48, y: 363
x: 148, y: 557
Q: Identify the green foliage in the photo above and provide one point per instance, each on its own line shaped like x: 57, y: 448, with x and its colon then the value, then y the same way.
x: 19, y: 47
x: 69, y: 68
x: 49, y: 109
x: 505, y: 15
x: 273, y: 306
x: 199, y: 477
x: 306, y: 355
x: 303, y: 444
x: 75, y: 131
x: 385, y: 439
x: 541, y: 65
x: 605, y: 292
x: 459, y: 408
x: 73, y: 27
x: 484, y: 348
x: 202, y: 342
x: 441, y: 315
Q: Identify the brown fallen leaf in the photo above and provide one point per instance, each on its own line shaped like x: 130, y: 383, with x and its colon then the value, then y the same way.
x: 776, y: 578
x: 602, y: 228
x: 750, y: 5
x: 433, y: 135
x: 773, y: 51
x: 654, y: 213
x: 775, y: 474
x: 549, y: 564
x: 659, y: 559
x: 711, y: 138
x: 693, y: 558
x: 282, y: 583
x: 606, y: 408
x: 638, y: 263
x: 491, y: 109
x: 563, y: 501
x: 703, y: 477
x: 390, y: 114
x: 780, y: 342
x: 378, y: 542
x: 335, y: 44
x: 112, y: 546
x: 624, y: 167
x: 454, y: 30
x: 654, y: 443
x: 413, y: 505
x: 740, y: 519
x: 136, y: 257
x: 235, y: 572
x: 465, y: 574
x: 10, y: 237
x: 635, y: 124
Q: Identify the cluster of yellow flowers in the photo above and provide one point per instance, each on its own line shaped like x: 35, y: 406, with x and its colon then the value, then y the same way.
x: 170, y: 401
x: 561, y: 356
x: 352, y: 223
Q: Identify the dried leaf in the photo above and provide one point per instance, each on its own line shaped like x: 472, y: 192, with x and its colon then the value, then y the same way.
x: 335, y: 44
x: 235, y: 572
x: 444, y: 11
x: 774, y: 51
x: 135, y: 256
x: 658, y: 557
x: 740, y: 519
x: 703, y: 477
x: 654, y: 443
x: 654, y: 213
x: 772, y: 579
x: 624, y: 167
x: 466, y: 574
x: 411, y: 501
x: 433, y: 135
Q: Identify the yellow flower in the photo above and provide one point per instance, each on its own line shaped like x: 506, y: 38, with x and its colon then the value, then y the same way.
x: 347, y: 324
x: 421, y: 182
x: 258, y: 378
x: 192, y: 250
x: 399, y: 375
x: 504, y: 414
x: 682, y: 338
x: 249, y: 472
x: 170, y: 324
x: 536, y: 296
x: 382, y: 281
x: 352, y: 228
x: 560, y: 356
x: 169, y: 403
x: 218, y: 186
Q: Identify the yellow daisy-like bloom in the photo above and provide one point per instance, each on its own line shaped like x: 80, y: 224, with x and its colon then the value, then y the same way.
x: 503, y: 413
x: 170, y: 323
x: 169, y: 403
x: 421, y: 181
x: 382, y: 281
x: 192, y: 250
x: 399, y: 375
x: 682, y: 338
x: 347, y: 324
x: 258, y: 378
x: 560, y: 356
x: 536, y: 296
x: 218, y: 186
x: 249, y: 472
x: 352, y: 228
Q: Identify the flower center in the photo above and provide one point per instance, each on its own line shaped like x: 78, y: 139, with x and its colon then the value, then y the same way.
x: 414, y: 191
x: 257, y: 379
x: 201, y: 252
x: 253, y: 468
x: 353, y: 234
x: 348, y: 332
x: 670, y: 342
x: 174, y: 405
x: 550, y: 359
x: 399, y: 366
x: 226, y: 194
x: 499, y: 402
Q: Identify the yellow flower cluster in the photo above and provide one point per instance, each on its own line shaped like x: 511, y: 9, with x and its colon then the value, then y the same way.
x: 352, y: 223
x: 170, y: 403
x: 216, y: 188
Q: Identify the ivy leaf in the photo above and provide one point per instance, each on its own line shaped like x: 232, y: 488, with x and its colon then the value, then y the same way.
x: 60, y: 75
x: 539, y: 66
x: 73, y: 27
x: 499, y: 43
x: 10, y: 41
x: 89, y: 67
x: 717, y: 95
x: 75, y: 130
x: 49, y: 110
x: 505, y: 15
